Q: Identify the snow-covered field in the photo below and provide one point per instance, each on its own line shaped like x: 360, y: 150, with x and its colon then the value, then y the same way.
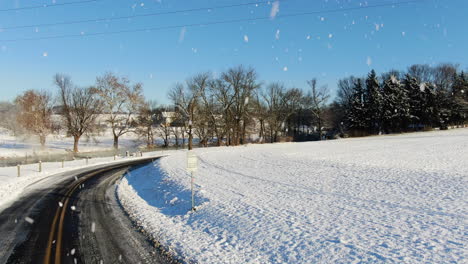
x: 384, y: 199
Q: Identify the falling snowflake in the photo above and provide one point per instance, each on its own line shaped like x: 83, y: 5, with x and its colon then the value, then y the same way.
x: 422, y: 87
x: 369, y: 61
x: 93, y: 227
x: 308, y: 37
x: 45, y: 54
x: 73, y: 208
x: 322, y: 19
x: 72, y: 252
x: 330, y: 35
x: 403, y: 33
x: 277, y: 35
x: 182, y: 34
x: 285, y: 68
x: 274, y: 9
x: 29, y: 220
x: 246, y: 38
x: 393, y: 79
x: 60, y: 204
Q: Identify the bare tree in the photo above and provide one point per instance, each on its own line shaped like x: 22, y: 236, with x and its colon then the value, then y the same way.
x: 319, y: 98
x: 35, y: 111
x: 121, y: 102
x: 146, y: 121
x: 243, y: 83
x: 8, y: 113
x: 185, y: 99
x: 163, y: 122
x: 80, y: 108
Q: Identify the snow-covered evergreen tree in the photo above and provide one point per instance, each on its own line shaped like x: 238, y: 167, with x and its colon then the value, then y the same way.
x: 357, y: 112
x: 395, y: 112
x: 373, y: 101
x: 415, y: 93
x: 459, y: 100
x: 429, y: 105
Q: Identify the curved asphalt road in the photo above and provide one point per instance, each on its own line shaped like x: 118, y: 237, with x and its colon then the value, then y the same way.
x: 77, y: 220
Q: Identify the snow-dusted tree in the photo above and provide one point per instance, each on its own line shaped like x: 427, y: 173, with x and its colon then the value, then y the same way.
x: 122, y: 101
x: 396, y: 111
x: 415, y: 91
x: 80, y: 108
x: 373, y: 103
x: 319, y: 98
x: 34, y: 115
x: 459, y: 100
x: 357, y: 112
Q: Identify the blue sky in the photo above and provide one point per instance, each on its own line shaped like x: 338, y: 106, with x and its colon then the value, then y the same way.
x: 326, y: 46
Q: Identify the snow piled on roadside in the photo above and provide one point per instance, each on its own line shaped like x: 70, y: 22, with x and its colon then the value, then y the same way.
x: 374, y: 200
x: 12, y: 186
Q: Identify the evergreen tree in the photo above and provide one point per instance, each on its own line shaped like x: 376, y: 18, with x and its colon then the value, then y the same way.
x: 395, y: 112
x: 429, y: 105
x: 459, y: 102
x: 415, y: 93
x: 443, y: 112
x: 357, y: 112
x: 373, y: 101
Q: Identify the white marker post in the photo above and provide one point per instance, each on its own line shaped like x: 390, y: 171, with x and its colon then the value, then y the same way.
x: 192, y: 163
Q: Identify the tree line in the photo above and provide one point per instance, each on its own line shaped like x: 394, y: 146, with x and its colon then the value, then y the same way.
x: 236, y: 108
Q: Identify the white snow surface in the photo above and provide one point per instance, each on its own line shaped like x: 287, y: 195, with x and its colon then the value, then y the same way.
x: 383, y: 199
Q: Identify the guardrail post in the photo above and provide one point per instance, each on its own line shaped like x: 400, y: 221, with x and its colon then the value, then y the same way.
x: 63, y: 161
x: 115, y: 157
x: 126, y: 154
x: 40, y: 166
x: 19, y: 170
x: 141, y: 153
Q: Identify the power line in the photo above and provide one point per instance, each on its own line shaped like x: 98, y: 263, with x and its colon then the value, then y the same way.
x: 49, y: 5
x: 136, y: 16
x: 214, y: 22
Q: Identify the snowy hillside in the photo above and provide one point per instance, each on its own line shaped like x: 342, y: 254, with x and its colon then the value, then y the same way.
x: 392, y: 199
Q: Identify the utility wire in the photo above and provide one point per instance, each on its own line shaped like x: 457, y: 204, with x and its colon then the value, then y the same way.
x: 49, y: 5
x: 137, y: 16
x: 215, y: 22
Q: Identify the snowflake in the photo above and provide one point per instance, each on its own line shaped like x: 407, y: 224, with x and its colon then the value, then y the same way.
x: 274, y: 9
x: 422, y: 87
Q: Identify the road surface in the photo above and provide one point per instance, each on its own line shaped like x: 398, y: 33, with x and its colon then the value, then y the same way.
x: 77, y: 220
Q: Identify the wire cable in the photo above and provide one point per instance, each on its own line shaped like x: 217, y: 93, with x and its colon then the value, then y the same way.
x: 215, y: 22
x: 49, y: 5
x: 137, y: 16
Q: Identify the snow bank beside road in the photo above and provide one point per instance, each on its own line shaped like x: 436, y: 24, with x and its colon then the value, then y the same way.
x: 12, y: 186
x: 380, y: 199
